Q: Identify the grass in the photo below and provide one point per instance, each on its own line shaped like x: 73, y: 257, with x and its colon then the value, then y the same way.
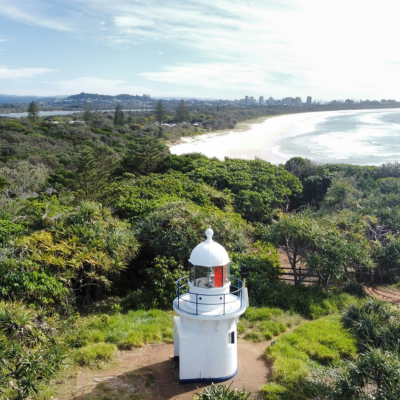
x: 95, y: 352
x: 323, y: 342
x: 273, y: 391
x: 260, y: 324
x: 97, y: 337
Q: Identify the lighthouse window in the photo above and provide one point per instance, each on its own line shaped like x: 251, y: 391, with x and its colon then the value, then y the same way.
x: 227, y: 273
x: 210, y: 277
x: 200, y: 276
x: 231, y: 337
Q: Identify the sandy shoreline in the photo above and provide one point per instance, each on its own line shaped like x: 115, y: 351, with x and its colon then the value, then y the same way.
x: 250, y: 139
x: 258, y: 138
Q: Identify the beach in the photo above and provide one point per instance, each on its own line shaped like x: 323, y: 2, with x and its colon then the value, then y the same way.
x: 278, y: 138
x: 250, y: 139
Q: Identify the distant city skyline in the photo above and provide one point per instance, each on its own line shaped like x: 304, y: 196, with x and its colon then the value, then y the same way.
x: 332, y: 49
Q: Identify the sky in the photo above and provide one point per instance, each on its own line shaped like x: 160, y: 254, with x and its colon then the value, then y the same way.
x: 222, y: 49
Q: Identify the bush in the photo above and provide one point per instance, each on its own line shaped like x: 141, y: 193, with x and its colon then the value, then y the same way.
x: 94, y: 352
x: 222, y: 392
x: 30, y: 351
x: 261, y: 314
x: 254, y: 336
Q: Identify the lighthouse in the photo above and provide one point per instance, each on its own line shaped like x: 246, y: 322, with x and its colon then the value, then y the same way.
x: 208, y: 303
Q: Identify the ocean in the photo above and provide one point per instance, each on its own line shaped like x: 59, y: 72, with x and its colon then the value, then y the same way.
x: 368, y: 137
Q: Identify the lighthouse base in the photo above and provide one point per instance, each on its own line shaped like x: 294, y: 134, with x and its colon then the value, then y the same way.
x: 207, y: 349
x: 209, y: 380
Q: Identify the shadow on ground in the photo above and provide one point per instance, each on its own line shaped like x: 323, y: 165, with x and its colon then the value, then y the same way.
x: 152, y: 373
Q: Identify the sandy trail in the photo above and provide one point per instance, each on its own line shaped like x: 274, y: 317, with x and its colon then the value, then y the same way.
x: 382, y: 293
x: 151, y: 372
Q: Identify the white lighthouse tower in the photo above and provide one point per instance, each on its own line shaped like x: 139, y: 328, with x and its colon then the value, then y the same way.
x: 209, y: 306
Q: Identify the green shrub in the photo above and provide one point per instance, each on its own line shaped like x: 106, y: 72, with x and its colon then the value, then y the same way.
x: 241, y: 328
x: 254, y: 336
x: 222, y: 392
x: 272, y: 327
x: 30, y: 351
x: 93, y: 352
x: 272, y: 391
x: 261, y: 314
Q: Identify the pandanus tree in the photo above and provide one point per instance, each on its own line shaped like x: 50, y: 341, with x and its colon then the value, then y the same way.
x: 30, y: 351
x: 84, y: 248
x: 374, y: 375
x: 319, y: 244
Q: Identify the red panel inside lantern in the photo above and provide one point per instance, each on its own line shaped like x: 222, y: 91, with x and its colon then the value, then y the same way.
x: 218, y: 276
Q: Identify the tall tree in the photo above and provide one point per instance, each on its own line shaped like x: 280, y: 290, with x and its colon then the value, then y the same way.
x: 119, y: 115
x: 94, y: 168
x: 87, y: 113
x: 181, y: 112
x: 146, y: 155
x: 33, y: 111
x: 96, y: 116
x: 160, y: 112
x: 130, y: 117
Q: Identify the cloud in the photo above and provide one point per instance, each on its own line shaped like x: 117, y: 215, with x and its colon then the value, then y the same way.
x: 272, y: 46
x: 22, y: 73
x: 3, y: 40
x: 223, y: 77
x: 32, y: 13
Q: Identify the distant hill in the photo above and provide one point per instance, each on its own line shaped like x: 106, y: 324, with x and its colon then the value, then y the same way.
x: 6, y: 98
x: 94, y: 96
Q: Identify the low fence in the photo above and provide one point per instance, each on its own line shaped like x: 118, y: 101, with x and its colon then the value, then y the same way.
x: 288, y: 276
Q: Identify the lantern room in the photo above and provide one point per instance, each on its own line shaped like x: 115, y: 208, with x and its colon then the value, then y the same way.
x: 209, y: 302
x: 209, y: 263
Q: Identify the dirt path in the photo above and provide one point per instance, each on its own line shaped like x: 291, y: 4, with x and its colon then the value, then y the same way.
x: 152, y: 373
x: 383, y: 293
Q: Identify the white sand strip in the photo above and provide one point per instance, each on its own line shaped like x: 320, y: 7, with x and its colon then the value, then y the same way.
x: 259, y: 138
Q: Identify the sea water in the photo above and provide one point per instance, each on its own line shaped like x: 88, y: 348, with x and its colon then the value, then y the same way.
x: 355, y: 137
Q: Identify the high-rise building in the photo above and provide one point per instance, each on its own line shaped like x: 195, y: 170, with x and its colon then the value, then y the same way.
x: 309, y: 100
x: 261, y: 100
x: 287, y: 101
x: 297, y: 101
x: 246, y: 99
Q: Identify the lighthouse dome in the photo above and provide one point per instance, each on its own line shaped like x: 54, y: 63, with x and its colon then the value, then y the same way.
x: 209, y: 253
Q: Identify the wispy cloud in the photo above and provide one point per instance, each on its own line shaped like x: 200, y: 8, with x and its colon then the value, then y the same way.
x: 272, y: 46
x: 223, y: 76
x: 3, y: 40
x: 33, y: 13
x: 22, y: 73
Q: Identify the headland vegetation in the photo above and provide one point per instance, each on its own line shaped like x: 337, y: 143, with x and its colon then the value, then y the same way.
x: 97, y: 222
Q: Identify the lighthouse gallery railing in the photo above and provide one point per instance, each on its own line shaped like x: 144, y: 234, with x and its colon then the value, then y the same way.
x: 182, y: 285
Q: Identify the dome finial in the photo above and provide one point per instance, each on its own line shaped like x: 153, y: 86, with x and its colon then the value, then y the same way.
x: 209, y: 234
